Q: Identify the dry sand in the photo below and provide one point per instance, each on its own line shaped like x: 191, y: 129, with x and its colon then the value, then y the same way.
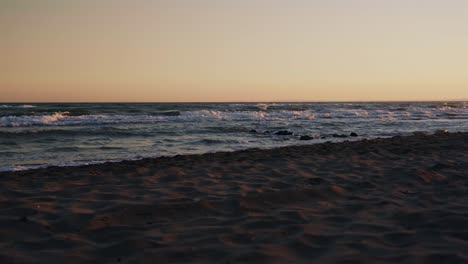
x: 397, y: 200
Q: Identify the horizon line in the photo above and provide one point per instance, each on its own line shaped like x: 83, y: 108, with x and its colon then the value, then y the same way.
x: 228, y: 102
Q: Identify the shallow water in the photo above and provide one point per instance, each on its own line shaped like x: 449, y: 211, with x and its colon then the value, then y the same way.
x: 37, y: 135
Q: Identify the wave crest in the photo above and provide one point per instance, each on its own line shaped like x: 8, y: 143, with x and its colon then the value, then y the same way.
x: 70, y: 118
x: 16, y: 121
x: 17, y: 106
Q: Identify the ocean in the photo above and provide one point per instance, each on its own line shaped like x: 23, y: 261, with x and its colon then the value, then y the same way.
x: 71, y: 134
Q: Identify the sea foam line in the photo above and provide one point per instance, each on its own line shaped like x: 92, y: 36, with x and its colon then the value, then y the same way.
x: 17, y: 106
x: 65, y: 118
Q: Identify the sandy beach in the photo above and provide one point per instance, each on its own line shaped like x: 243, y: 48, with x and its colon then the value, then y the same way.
x: 393, y: 200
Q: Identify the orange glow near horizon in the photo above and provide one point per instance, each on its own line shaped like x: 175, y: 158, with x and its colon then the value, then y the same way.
x: 220, y: 50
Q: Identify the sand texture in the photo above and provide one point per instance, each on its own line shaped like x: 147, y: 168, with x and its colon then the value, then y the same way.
x: 395, y: 200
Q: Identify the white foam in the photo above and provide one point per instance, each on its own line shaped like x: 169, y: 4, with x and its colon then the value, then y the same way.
x: 63, y: 119
x: 61, y: 164
x: 246, y: 115
x: 262, y: 107
x: 16, y: 121
x: 17, y: 106
x: 410, y: 113
x: 18, y: 168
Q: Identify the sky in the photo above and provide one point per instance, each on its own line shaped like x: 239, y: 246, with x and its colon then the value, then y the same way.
x: 225, y: 50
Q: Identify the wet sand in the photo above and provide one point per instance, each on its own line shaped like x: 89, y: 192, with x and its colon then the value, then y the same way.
x: 395, y: 200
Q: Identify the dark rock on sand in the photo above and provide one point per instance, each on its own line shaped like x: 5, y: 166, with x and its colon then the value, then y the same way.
x: 339, y: 136
x: 353, y: 134
x: 284, y: 133
x: 441, y: 132
x: 306, y: 137
x: 253, y: 131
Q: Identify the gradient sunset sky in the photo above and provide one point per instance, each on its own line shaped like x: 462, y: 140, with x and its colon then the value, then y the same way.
x: 233, y: 50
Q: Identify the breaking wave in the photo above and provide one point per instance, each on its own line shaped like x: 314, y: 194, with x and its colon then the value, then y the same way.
x: 67, y: 118
x: 17, y: 106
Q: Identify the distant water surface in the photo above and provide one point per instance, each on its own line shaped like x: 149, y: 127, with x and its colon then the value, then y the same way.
x: 39, y: 135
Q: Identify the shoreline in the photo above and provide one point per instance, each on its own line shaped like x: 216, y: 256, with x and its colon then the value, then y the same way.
x: 310, y: 143
x: 107, y: 162
x: 398, y: 199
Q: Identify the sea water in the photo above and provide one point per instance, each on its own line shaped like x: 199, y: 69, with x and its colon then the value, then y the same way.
x: 68, y: 134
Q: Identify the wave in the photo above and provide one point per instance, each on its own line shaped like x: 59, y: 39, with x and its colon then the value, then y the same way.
x: 64, y: 149
x: 17, y: 106
x: 16, y: 121
x: 201, y: 115
x: 262, y: 107
x: 451, y: 105
x: 34, y: 132
x: 210, y: 141
x: 169, y: 113
x: 59, y: 164
x: 227, y: 129
x: 67, y: 118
